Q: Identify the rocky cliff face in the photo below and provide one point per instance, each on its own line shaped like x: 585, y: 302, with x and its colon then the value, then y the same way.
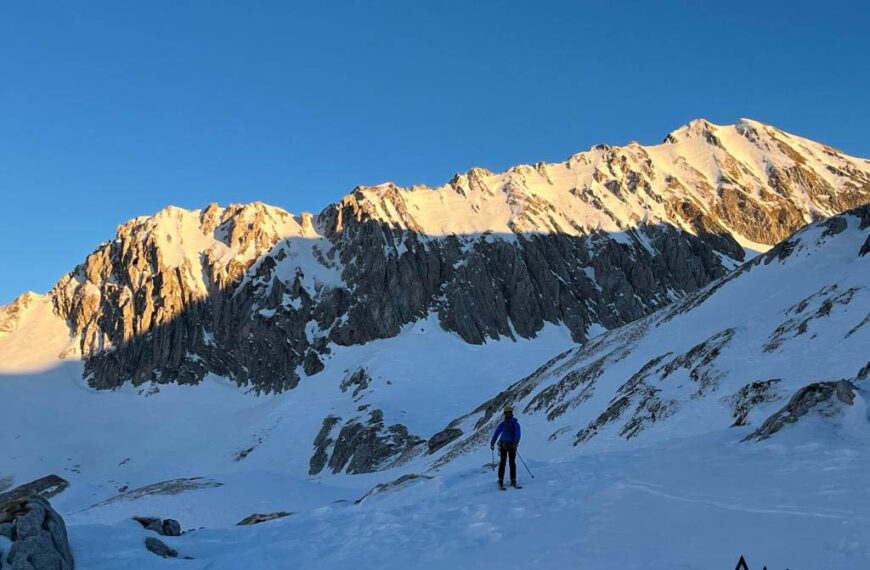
x: 258, y: 295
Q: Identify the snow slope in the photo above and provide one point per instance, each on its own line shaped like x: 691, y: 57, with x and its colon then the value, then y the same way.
x: 32, y: 335
x: 258, y: 447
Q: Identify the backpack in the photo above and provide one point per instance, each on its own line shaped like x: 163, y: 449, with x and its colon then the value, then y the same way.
x: 510, y: 430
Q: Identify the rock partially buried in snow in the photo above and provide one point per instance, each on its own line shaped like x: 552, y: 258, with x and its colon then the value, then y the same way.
x: 45, y: 487
x: 171, y: 487
x: 159, y: 548
x: 258, y: 518
x: 392, y: 485
x: 38, y: 535
x: 750, y: 396
x: 442, y: 438
x: 171, y: 527
x: 165, y: 527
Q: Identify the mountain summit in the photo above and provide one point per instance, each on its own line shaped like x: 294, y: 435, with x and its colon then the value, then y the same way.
x: 749, y: 180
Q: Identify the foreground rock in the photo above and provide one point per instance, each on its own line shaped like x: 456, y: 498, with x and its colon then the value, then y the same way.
x: 38, y: 535
x: 159, y: 548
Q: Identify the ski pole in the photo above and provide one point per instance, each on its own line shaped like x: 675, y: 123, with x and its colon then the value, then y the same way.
x: 493, y: 459
x: 524, y: 463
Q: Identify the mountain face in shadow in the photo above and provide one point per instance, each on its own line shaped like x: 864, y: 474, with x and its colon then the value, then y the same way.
x: 258, y: 295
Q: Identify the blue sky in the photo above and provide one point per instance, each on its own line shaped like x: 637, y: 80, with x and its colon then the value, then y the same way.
x: 109, y: 110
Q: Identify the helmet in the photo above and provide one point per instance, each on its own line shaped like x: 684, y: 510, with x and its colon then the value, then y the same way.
x: 509, y: 409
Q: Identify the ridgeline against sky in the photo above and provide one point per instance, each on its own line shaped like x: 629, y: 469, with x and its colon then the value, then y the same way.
x: 111, y: 111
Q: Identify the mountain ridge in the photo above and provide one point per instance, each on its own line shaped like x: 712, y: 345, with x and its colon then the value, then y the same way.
x: 599, y: 240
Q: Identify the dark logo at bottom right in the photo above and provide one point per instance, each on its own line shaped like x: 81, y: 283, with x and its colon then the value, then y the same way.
x: 741, y: 565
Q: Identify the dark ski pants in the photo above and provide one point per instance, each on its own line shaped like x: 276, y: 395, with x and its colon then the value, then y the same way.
x: 507, y: 451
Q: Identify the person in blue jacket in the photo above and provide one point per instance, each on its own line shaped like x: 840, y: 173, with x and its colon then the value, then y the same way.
x: 508, y: 435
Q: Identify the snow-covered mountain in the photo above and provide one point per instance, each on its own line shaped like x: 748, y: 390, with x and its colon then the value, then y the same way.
x: 737, y: 409
x: 707, y: 398
x: 261, y: 296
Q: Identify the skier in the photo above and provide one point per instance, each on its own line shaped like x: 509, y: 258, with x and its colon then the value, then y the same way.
x: 509, y: 430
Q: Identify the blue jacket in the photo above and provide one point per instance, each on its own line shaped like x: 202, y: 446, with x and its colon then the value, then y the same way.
x: 509, y: 433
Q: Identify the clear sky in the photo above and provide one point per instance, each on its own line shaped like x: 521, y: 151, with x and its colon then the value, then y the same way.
x: 109, y: 110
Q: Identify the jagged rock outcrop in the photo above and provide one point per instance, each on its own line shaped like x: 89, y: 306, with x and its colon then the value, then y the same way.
x: 823, y: 398
x: 359, y: 381
x: 38, y: 535
x: 442, y: 438
x: 805, y: 314
x: 258, y: 295
x: 750, y: 396
x: 322, y: 444
x: 363, y: 446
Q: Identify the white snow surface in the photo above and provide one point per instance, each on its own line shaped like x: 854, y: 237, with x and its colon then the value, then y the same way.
x: 34, y: 337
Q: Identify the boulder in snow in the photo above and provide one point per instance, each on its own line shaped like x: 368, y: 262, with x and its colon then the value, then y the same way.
x: 159, y: 548
x: 165, y: 527
x: 38, y: 535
